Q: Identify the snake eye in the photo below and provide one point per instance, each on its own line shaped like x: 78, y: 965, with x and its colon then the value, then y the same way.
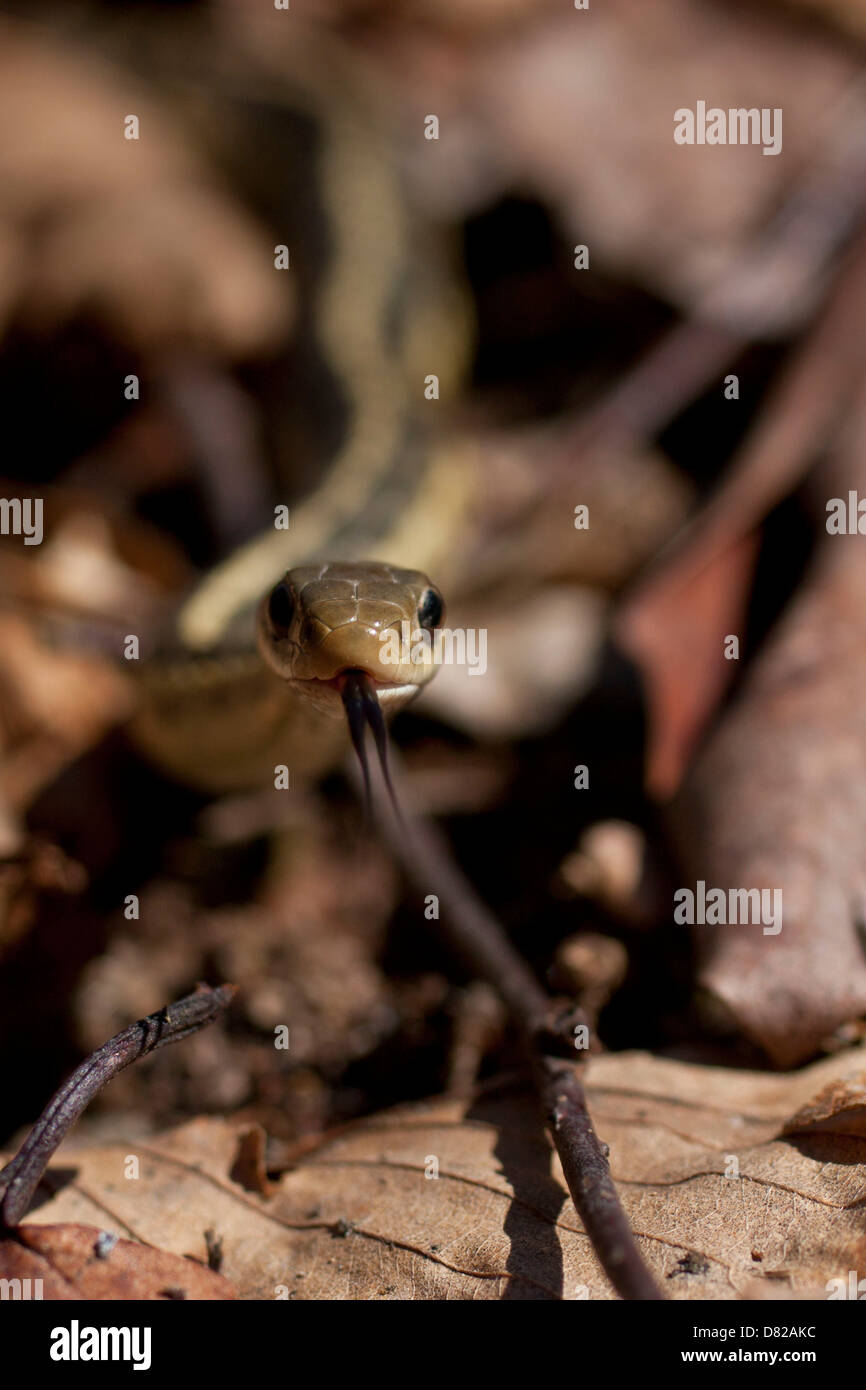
x: 431, y: 609
x: 281, y: 608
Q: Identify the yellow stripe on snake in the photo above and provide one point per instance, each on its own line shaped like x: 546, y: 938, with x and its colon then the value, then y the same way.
x: 219, y: 711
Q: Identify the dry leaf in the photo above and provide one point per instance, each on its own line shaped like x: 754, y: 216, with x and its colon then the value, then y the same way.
x: 840, y: 1108
x: 676, y: 636
x: 724, y: 1202
x: 777, y: 802
x: 84, y: 1262
x: 579, y: 109
x: 138, y: 232
x: 55, y: 704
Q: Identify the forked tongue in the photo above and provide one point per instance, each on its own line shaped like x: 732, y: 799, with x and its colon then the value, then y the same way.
x: 362, y: 708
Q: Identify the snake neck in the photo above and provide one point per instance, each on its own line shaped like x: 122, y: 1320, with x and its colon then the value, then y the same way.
x: 378, y: 318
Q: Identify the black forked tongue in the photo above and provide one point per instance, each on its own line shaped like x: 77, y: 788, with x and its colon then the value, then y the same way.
x: 362, y: 708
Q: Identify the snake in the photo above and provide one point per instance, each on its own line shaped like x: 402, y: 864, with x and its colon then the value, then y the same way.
x: 274, y: 658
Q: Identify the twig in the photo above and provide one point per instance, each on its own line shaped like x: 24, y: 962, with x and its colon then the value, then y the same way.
x: 547, y: 1027
x: 22, y: 1175
x: 767, y: 292
x: 802, y: 409
x: 654, y: 390
x: 219, y: 422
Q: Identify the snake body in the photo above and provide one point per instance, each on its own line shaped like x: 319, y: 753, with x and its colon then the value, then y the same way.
x: 217, y: 710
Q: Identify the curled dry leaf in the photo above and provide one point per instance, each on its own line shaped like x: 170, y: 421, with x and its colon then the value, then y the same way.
x: 180, y: 265
x: 55, y: 704
x: 533, y: 479
x: 675, y: 631
x: 676, y: 622
x: 455, y: 1200
x: 777, y: 802
x: 840, y: 1108
x: 101, y: 257
x: 579, y: 108
x: 84, y: 1262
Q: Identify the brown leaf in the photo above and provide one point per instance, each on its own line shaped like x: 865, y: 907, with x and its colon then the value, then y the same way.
x: 359, y: 1217
x: 518, y: 106
x: 839, y: 1108
x: 84, y: 1262
x: 249, y: 1167
x: 55, y: 704
x: 777, y: 801
x: 138, y: 232
x: 673, y: 626
x: 676, y: 634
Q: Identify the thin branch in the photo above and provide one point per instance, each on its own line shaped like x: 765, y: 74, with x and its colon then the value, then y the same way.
x: 547, y: 1026
x: 800, y: 414
x: 22, y: 1175
x: 768, y: 290
x: 653, y: 391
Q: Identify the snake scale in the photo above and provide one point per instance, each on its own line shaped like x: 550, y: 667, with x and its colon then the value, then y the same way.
x: 231, y: 694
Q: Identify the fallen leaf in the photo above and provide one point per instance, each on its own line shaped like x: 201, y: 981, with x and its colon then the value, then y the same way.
x: 449, y: 1200
x: 675, y: 623
x: 840, y: 1108
x: 578, y: 109
x: 676, y: 636
x: 84, y: 1262
x: 138, y: 232
x: 777, y: 801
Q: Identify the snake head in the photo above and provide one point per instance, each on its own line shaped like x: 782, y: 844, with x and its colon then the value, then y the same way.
x: 349, y: 638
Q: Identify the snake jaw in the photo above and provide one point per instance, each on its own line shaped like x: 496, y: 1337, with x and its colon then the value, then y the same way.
x: 325, y: 694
